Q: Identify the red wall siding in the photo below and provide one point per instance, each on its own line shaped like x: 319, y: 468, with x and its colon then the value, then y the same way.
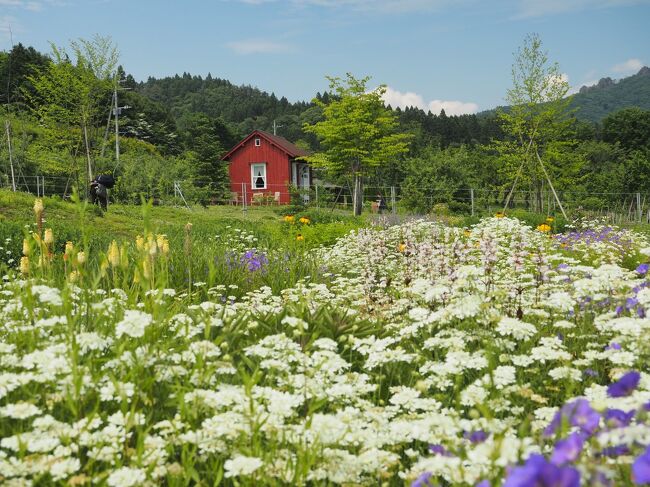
x: 278, y: 173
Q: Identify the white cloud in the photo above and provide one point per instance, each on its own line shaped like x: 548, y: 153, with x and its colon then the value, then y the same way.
x: 396, y: 98
x: 631, y: 66
x: 539, y: 8
x: 258, y: 46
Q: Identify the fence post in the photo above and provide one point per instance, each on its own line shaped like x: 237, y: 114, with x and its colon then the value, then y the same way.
x: 243, y: 197
x: 638, y: 206
x: 471, y: 196
x: 43, y: 186
x: 316, y: 188
x: 392, y: 200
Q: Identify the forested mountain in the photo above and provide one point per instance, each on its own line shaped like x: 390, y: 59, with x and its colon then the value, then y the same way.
x: 594, y: 103
x: 177, y: 128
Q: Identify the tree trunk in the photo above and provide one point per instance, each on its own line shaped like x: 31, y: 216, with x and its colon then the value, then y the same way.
x: 90, y: 169
x: 357, y: 197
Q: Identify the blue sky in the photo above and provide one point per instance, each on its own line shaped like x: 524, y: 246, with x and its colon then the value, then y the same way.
x: 452, y: 54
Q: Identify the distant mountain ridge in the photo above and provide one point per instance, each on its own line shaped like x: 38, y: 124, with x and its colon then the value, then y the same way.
x: 595, y: 102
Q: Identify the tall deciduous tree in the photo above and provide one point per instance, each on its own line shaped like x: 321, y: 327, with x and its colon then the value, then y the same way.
x: 537, y: 115
x: 75, y: 94
x: 358, y: 133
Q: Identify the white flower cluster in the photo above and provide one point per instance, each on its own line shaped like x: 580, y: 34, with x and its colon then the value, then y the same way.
x: 423, y: 349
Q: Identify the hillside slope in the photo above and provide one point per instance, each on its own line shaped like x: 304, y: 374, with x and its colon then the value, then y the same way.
x: 594, y: 103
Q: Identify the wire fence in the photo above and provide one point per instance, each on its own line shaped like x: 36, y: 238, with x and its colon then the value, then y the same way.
x: 614, y: 207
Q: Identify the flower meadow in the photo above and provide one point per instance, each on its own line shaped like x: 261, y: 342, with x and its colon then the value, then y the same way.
x: 414, y: 354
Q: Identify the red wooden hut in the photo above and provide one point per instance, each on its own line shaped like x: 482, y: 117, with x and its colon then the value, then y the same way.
x: 262, y: 166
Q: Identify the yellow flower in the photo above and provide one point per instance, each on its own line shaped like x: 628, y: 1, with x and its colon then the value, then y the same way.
x: 151, y: 246
x: 26, y: 247
x: 49, y: 236
x: 24, y: 265
x: 550, y: 219
x: 165, y: 247
x: 467, y: 232
x: 114, y: 254
x: 81, y: 258
x: 69, y: 248
x: 289, y: 218
x: 299, y: 237
x: 146, y: 269
x: 401, y: 247
x: 304, y: 220
x: 139, y: 243
x: 499, y: 214
x: 38, y: 207
x: 73, y: 276
x: 544, y: 228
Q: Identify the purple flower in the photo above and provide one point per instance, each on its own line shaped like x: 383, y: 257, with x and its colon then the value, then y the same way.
x: 643, y: 269
x: 614, y: 451
x: 641, y: 468
x: 619, y: 310
x: 423, y: 480
x: 578, y: 413
x: 617, y: 418
x: 613, y: 346
x: 476, y: 436
x: 538, y: 472
x: 483, y: 483
x: 590, y: 373
x: 253, y: 261
x: 631, y: 303
x: 625, y: 385
x: 568, y: 450
x: 439, y: 450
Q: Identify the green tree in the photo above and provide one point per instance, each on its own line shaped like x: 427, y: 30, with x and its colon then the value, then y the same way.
x: 70, y: 99
x: 439, y: 176
x: 358, y: 133
x: 538, y: 115
x: 629, y: 127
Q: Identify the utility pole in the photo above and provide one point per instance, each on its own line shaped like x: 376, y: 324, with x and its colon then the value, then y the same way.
x: 117, y: 127
x: 11, y: 160
x: 276, y: 127
x: 117, y: 109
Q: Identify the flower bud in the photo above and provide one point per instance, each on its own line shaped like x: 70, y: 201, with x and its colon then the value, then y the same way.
x: 81, y: 258
x: 69, y: 248
x: 114, y: 254
x: 139, y: 242
x: 24, y: 265
x: 49, y: 236
x: 146, y: 269
x: 26, y: 247
x: 38, y: 207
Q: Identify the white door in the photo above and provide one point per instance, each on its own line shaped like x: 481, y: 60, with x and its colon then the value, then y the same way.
x: 304, y: 180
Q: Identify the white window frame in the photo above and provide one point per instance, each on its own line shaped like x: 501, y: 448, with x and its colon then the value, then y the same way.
x: 258, y: 142
x: 253, y: 166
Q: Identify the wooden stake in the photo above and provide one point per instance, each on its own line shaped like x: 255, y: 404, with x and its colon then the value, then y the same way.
x: 559, y: 203
x: 11, y: 160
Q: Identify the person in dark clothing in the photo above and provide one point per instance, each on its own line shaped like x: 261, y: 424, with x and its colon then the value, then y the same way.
x: 99, y: 194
